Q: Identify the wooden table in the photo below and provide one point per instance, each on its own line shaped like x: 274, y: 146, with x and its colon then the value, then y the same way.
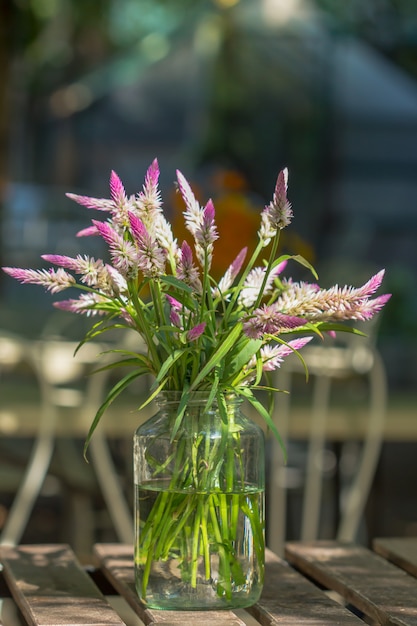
x: 319, y: 583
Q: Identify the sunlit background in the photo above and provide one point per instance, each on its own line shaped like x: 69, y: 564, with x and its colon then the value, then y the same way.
x: 229, y: 92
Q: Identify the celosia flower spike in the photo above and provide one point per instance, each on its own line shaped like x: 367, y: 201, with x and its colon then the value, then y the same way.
x: 272, y: 355
x: 372, y: 285
x: 254, y: 281
x: 98, y: 204
x: 174, y: 307
x: 193, y: 213
x: 278, y: 214
x: 268, y: 321
x: 117, y: 191
x: 150, y: 257
x: 369, y: 308
x: 53, y: 280
x: 205, y: 235
x: 138, y: 228
x: 90, y: 269
x: 175, y: 318
x: 280, y: 211
x: 331, y: 305
x: 173, y: 302
x: 230, y: 274
x: 150, y: 197
x: 95, y: 273
x: 186, y: 270
x: 196, y: 332
x: 90, y: 231
x: 87, y: 304
x: 118, y: 203
x: 123, y: 253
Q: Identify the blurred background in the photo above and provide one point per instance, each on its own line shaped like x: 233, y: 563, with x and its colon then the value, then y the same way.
x: 229, y: 92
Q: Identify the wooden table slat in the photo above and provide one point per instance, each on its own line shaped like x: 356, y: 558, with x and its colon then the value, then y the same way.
x: 288, y: 599
x: 383, y: 592
x: 402, y: 551
x: 51, y: 588
x: 116, y: 561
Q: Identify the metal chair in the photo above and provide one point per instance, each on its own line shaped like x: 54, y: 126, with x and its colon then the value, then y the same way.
x: 56, y: 370
x: 355, y: 357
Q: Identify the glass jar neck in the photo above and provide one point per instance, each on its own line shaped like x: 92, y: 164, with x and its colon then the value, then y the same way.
x: 171, y: 400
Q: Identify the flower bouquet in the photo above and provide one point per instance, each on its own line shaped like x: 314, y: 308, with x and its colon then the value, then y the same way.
x: 208, y: 345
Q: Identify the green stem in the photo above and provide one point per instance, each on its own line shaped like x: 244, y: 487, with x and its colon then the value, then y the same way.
x: 253, y: 514
x: 149, y: 546
x: 237, y: 290
x: 144, y: 327
x: 267, y: 270
x: 225, y: 582
x: 205, y: 540
x: 234, y: 514
x: 195, y: 542
x: 183, y: 512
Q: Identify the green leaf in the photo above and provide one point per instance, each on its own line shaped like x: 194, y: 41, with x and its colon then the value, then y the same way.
x: 177, y: 283
x: 132, y: 354
x: 222, y: 405
x: 139, y: 369
x: 111, y: 396
x: 153, y: 395
x: 218, y: 355
x: 181, y: 410
x: 326, y: 326
x: 259, y: 369
x: 245, y: 355
x: 213, y: 389
x: 96, y: 330
x: 169, y: 362
x: 247, y: 393
x: 299, y: 259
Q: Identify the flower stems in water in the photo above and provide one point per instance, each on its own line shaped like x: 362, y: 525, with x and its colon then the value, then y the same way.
x: 192, y: 528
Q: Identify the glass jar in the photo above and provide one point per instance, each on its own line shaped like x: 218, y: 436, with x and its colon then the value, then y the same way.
x: 199, y: 506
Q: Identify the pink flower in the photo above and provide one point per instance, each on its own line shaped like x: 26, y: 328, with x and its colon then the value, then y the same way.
x: 175, y: 306
x: 254, y: 282
x: 193, y: 212
x: 186, y: 270
x: 92, y: 271
x: 230, y: 274
x: 148, y: 200
x: 268, y: 320
x: 54, y: 280
x: 117, y: 191
x: 273, y: 355
x: 334, y: 304
x: 278, y: 214
x: 174, y: 303
x: 90, y: 231
x: 123, y: 252
x: 89, y: 304
x: 195, y: 332
x: 205, y: 235
x: 150, y: 257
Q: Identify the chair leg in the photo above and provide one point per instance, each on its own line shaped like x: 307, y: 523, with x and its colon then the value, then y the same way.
x: 103, y: 464
x: 110, y: 488
x: 313, y: 485
x: 36, y: 470
x: 277, y: 505
x: 352, y: 508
